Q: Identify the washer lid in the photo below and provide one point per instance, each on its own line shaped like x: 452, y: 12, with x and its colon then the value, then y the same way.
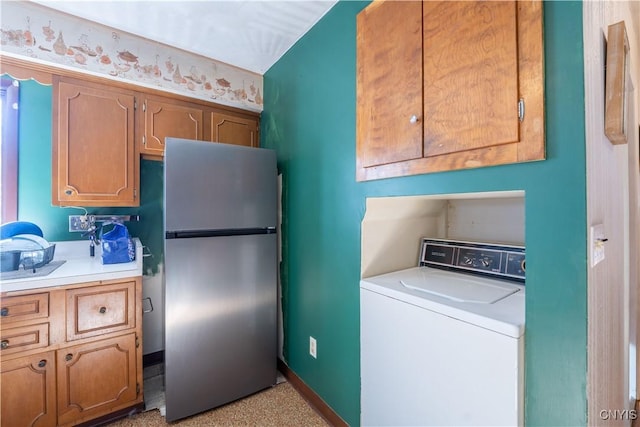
x: 459, y: 288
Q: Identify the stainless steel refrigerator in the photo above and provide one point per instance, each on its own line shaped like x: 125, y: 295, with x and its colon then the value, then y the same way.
x: 220, y: 250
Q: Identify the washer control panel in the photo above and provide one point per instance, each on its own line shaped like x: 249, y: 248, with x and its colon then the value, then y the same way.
x: 503, y: 261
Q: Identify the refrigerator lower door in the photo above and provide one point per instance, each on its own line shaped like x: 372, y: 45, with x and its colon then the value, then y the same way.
x: 220, y: 325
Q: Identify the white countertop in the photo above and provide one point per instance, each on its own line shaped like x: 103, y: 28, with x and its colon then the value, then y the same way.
x: 78, y: 268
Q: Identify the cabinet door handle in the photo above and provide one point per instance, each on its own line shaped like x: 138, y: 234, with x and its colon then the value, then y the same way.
x: 413, y: 119
x: 103, y: 310
x: 4, y: 312
x: 4, y: 344
x: 42, y: 363
x: 68, y: 192
x: 68, y: 357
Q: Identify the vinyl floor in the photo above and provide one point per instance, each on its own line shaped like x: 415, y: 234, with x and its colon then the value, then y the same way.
x: 280, y: 405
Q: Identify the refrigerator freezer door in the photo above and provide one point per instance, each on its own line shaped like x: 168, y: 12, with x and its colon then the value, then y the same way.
x: 213, y: 186
x: 220, y: 327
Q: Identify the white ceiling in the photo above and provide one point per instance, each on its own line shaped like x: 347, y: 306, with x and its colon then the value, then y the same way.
x: 250, y: 34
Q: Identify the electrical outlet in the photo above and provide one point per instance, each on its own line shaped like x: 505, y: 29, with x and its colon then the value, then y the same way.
x: 313, y: 347
x: 79, y: 223
x: 597, y: 241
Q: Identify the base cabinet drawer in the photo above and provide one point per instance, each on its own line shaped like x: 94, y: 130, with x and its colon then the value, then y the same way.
x: 13, y: 340
x: 24, y: 307
x: 96, y: 378
x: 29, y: 391
x: 97, y: 310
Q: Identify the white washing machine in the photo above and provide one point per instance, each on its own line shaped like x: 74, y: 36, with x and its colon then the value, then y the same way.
x: 442, y: 344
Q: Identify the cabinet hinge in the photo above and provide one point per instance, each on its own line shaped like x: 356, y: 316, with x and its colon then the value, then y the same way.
x: 135, y: 195
x: 135, y: 104
x: 144, y: 140
x: 137, y: 389
x: 521, y: 109
x: 144, y: 106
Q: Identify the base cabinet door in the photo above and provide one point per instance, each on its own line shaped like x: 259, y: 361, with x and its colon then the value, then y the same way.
x: 28, y: 391
x: 96, y: 378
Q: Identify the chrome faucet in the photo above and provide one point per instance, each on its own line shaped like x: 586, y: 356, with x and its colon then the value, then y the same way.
x: 93, y: 228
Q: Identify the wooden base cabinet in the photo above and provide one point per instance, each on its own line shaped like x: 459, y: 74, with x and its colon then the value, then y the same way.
x: 29, y: 390
x: 84, y: 360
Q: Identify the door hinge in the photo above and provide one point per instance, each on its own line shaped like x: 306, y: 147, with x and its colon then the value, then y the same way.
x: 521, y: 109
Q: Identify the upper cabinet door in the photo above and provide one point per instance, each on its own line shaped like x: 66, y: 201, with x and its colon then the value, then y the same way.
x: 94, y: 158
x: 232, y: 129
x: 169, y: 118
x: 470, y: 75
x: 389, y: 91
x: 481, y: 86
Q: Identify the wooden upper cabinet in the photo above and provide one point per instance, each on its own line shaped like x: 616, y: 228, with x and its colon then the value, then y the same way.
x: 232, y: 129
x: 445, y: 85
x: 95, y: 162
x: 168, y: 118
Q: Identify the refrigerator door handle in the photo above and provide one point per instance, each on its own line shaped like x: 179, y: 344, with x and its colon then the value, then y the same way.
x: 190, y: 234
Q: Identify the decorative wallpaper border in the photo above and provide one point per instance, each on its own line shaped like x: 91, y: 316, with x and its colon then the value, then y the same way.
x: 46, y: 35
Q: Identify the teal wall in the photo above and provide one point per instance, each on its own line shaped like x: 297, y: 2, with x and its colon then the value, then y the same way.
x: 34, y: 181
x: 309, y: 118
